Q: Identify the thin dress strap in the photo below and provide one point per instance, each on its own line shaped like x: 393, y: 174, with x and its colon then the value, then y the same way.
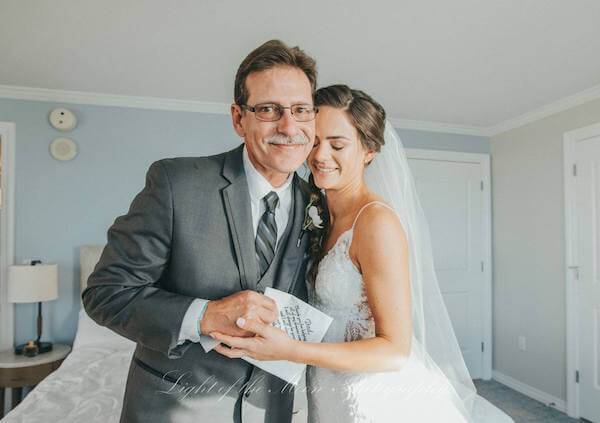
x: 365, y: 206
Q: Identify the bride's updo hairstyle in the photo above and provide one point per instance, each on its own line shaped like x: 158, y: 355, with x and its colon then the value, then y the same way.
x: 366, y: 115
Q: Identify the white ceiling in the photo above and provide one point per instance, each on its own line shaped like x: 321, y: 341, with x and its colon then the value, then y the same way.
x: 462, y: 62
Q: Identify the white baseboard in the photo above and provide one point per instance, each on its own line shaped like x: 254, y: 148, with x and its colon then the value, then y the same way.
x: 530, y: 391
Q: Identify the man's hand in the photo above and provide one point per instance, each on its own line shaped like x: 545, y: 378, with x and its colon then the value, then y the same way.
x: 221, y: 315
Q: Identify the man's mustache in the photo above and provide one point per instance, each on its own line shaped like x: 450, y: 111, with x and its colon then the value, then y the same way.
x: 298, y: 139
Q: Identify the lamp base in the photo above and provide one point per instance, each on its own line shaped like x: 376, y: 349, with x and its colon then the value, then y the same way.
x: 32, y: 348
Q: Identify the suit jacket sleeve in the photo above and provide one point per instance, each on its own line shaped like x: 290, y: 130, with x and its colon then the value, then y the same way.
x: 125, y: 291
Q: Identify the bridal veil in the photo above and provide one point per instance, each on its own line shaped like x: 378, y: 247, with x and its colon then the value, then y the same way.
x: 389, y: 176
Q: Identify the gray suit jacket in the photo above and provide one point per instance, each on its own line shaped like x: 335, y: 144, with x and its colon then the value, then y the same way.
x: 188, y: 234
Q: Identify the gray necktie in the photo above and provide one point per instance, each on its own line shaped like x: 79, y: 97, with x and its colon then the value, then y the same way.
x: 266, y: 233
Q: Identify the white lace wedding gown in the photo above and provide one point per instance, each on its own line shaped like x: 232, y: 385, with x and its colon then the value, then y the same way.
x: 413, y: 394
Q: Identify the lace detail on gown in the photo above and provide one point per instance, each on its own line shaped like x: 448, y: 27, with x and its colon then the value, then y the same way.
x: 349, y: 323
x: 353, y: 397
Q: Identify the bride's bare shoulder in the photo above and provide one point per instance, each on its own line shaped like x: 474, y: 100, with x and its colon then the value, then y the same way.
x: 378, y: 229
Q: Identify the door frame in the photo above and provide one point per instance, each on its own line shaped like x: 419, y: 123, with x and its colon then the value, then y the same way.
x: 7, y: 231
x: 570, y: 140
x: 483, y: 160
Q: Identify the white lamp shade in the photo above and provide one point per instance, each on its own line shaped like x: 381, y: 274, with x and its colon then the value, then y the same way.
x: 30, y: 284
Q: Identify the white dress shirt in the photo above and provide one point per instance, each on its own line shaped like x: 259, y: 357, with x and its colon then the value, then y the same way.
x: 258, y: 187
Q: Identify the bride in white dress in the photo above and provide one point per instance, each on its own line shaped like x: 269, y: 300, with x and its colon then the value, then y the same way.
x: 390, y: 354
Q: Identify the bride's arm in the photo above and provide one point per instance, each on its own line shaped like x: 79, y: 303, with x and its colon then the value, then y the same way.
x: 381, y: 250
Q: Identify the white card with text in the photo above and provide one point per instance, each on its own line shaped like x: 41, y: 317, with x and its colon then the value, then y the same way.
x: 300, y: 321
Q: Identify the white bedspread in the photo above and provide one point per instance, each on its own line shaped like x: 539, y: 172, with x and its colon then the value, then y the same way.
x: 87, y: 387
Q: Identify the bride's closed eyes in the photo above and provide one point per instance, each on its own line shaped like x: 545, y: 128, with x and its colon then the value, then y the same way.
x: 335, y: 142
x: 337, y: 147
x: 332, y: 146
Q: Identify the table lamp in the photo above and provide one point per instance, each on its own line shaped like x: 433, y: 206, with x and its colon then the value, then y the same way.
x: 32, y: 283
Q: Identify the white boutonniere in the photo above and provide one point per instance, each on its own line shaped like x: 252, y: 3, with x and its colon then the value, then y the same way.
x: 313, y: 220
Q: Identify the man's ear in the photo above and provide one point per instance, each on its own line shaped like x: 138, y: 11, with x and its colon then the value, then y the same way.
x: 236, y: 120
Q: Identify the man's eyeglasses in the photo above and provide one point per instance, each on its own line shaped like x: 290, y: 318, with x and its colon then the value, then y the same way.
x: 270, y: 112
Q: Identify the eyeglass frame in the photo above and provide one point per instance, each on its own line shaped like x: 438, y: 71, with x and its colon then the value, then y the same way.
x: 282, y: 108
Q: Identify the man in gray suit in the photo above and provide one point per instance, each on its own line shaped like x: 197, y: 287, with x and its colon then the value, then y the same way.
x: 199, y: 245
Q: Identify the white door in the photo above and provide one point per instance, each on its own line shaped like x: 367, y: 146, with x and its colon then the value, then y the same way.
x: 451, y: 196
x: 588, y: 252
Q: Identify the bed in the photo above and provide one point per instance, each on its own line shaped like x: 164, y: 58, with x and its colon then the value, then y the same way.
x: 90, y: 383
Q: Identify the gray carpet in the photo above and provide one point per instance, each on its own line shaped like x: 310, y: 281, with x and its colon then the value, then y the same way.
x: 520, y: 407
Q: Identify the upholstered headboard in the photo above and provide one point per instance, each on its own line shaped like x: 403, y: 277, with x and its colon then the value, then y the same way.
x: 88, y: 257
x: 89, y: 333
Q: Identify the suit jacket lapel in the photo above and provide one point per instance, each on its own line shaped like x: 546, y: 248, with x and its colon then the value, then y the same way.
x: 293, y: 255
x: 236, y: 200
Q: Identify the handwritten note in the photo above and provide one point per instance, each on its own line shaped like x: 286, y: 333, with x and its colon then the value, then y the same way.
x: 300, y: 321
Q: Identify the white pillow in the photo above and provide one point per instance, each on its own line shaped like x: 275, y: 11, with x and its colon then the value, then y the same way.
x: 91, y: 333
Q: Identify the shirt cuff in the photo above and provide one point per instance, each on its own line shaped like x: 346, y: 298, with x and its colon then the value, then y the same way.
x: 190, y: 325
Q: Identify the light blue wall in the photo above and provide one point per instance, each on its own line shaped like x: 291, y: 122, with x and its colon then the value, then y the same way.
x: 440, y: 141
x: 62, y: 205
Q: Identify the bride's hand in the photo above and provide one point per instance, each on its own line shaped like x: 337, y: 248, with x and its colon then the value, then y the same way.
x: 269, y: 342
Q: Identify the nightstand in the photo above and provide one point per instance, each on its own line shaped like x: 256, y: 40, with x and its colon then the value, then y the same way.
x: 17, y: 371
